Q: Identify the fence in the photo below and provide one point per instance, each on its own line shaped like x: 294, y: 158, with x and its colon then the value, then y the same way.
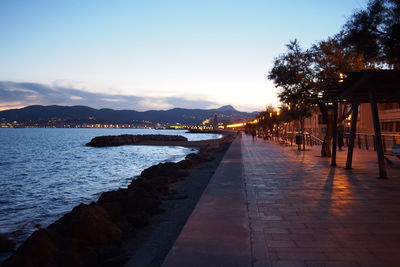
x: 309, y: 139
x: 367, y: 141
x: 362, y: 141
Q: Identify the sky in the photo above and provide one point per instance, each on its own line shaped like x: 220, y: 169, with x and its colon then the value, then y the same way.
x: 154, y: 54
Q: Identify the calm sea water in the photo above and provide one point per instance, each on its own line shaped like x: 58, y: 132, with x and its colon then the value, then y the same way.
x: 44, y: 173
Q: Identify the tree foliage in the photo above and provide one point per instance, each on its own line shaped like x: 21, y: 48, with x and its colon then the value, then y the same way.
x: 374, y: 33
x: 331, y: 58
x: 292, y: 73
x: 369, y: 39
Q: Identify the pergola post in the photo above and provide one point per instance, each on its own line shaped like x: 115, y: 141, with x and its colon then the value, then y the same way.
x: 334, y: 133
x: 353, y: 129
x: 378, y: 136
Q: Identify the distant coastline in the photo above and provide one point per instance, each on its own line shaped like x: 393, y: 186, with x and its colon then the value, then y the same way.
x: 86, y: 117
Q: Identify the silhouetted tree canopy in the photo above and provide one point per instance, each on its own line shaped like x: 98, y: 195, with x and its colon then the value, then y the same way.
x: 375, y: 32
x: 369, y: 39
x: 293, y: 74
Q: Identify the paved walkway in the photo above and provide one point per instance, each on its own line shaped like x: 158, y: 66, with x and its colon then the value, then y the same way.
x: 270, y: 205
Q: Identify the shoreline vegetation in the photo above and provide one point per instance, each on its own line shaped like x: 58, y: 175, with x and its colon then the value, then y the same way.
x: 136, y: 225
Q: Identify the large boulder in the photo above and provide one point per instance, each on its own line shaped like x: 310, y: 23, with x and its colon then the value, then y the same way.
x: 200, y: 157
x: 6, y: 245
x: 40, y: 249
x: 185, y: 164
x: 168, y: 169
x: 133, y: 206
x: 90, y: 224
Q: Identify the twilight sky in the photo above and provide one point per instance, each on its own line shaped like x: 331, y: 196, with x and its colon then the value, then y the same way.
x: 130, y: 54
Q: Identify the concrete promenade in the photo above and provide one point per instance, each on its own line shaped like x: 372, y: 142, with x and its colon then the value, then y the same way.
x: 270, y: 205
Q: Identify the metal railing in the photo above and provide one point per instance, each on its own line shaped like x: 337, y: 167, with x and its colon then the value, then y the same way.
x: 367, y: 141
x: 309, y: 139
x: 362, y: 141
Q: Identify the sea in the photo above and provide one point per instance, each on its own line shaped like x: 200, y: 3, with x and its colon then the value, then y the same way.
x: 44, y: 173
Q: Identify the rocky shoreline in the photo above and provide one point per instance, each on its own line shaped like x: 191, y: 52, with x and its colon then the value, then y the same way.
x: 95, y: 234
x: 130, y: 139
x: 155, y: 140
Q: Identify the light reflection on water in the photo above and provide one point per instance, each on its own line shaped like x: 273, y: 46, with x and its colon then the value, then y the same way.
x: 44, y: 173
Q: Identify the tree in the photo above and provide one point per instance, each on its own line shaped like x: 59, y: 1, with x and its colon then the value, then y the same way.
x: 375, y: 33
x: 331, y: 58
x: 369, y: 39
x: 292, y: 72
x: 267, y: 119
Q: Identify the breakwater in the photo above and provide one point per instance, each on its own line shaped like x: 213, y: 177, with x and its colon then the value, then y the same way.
x: 91, y: 234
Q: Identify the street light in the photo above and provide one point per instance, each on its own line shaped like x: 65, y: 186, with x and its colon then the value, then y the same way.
x: 342, y: 76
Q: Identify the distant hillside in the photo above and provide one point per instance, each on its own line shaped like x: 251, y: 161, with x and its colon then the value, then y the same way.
x: 83, y: 114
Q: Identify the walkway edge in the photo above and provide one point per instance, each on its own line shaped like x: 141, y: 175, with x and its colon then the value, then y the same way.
x: 217, y: 233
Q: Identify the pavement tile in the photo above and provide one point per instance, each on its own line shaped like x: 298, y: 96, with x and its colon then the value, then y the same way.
x: 281, y: 244
x: 332, y: 264
x: 346, y: 213
x: 300, y: 211
x: 289, y: 264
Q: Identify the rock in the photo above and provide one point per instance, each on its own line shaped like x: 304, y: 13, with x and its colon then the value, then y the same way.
x: 118, y: 216
x: 142, y: 183
x: 129, y: 139
x: 185, y: 164
x: 73, y: 240
x: 38, y: 249
x: 162, y: 184
x: 48, y: 248
x: 91, y: 235
x: 6, y: 245
x: 113, y: 140
x: 200, y: 157
x: 168, y: 169
x: 155, y: 185
x: 89, y: 224
x: 138, y: 219
x: 161, y: 137
x: 133, y: 206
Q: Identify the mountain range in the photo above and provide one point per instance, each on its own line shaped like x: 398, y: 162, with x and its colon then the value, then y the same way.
x: 82, y: 114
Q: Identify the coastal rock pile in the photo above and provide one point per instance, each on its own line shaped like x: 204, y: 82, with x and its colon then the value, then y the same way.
x: 129, y: 139
x: 6, y: 245
x: 91, y: 235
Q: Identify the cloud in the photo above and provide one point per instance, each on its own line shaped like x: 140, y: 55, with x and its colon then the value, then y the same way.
x: 16, y: 94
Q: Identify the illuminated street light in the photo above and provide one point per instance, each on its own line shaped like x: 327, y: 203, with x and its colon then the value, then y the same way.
x: 341, y: 77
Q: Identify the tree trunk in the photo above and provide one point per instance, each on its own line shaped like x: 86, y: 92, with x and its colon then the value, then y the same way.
x: 326, y: 145
x: 302, y: 133
x: 291, y: 139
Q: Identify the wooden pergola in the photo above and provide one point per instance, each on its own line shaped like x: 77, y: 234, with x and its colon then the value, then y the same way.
x: 367, y: 86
